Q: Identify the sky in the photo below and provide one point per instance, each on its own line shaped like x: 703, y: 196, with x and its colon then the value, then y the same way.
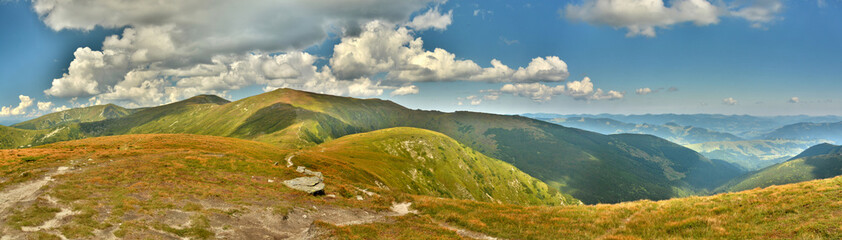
x: 757, y: 57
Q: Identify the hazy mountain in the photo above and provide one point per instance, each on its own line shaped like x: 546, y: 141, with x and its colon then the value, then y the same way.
x: 821, y: 161
x: 669, y: 131
x: 753, y: 154
x: 744, y: 126
x: 589, y: 166
x: 809, y: 131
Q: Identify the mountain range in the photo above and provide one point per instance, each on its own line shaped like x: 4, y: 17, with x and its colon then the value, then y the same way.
x: 589, y: 166
x: 206, y: 168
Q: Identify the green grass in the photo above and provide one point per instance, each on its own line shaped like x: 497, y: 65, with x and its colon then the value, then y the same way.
x: 423, y: 162
x: 792, y: 171
x: 32, y: 216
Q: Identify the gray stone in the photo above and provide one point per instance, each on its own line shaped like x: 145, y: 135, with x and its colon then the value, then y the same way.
x: 311, y: 185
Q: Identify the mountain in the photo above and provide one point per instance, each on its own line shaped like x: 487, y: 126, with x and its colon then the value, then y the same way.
x: 424, y: 162
x: 76, y: 115
x: 831, y: 131
x: 669, y: 131
x: 821, y: 149
x: 753, y: 154
x: 811, y: 165
x: 589, y: 166
x: 744, y: 126
x: 180, y: 186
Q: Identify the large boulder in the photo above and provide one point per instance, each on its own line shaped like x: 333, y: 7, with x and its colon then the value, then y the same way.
x: 312, y: 185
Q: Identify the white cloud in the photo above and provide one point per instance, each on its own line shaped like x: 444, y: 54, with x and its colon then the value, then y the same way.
x: 643, y: 91
x: 760, y: 12
x: 166, y: 54
x: 405, y: 90
x: 25, y: 103
x: 794, y: 100
x: 579, y: 90
x: 729, y: 101
x: 62, y: 108
x: 536, y: 91
x: 164, y: 42
x: 382, y: 48
x: 642, y: 17
x: 44, y: 106
x: 431, y: 19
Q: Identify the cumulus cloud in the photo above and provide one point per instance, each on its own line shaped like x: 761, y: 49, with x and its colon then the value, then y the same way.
x: 794, y: 100
x: 168, y: 53
x: 25, y: 103
x: 431, y: 19
x: 45, y: 106
x: 382, y: 48
x: 405, y: 90
x: 538, y: 92
x: 643, y: 91
x: 729, y: 101
x: 169, y: 50
x: 642, y: 17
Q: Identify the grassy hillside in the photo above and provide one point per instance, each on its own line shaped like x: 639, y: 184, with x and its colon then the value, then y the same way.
x: 753, y: 154
x: 669, y: 131
x: 820, y: 149
x: 590, y: 166
x: 76, y: 115
x: 423, y: 162
x: 808, y: 210
x: 194, y: 186
x: 792, y: 171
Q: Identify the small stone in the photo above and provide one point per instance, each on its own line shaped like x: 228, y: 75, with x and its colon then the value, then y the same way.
x: 360, y: 198
x: 271, y: 181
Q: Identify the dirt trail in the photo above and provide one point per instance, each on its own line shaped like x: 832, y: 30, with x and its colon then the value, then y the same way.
x: 25, y: 191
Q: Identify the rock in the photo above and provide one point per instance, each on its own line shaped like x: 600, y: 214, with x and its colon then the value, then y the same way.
x: 311, y: 185
x: 304, y: 170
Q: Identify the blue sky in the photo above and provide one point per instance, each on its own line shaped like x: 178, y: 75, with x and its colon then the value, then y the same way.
x: 763, y: 57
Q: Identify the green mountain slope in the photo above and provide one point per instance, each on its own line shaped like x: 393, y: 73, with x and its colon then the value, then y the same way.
x: 821, y: 149
x: 753, y: 154
x: 809, y: 167
x: 669, y: 131
x: 424, y: 162
x: 76, y: 115
x: 590, y: 166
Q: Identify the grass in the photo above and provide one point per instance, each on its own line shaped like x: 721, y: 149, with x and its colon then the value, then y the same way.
x: 131, y: 182
x: 808, y: 210
x: 32, y: 216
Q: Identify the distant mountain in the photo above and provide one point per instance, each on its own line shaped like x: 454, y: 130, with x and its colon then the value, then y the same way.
x: 76, y: 115
x: 669, y: 131
x: 753, y: 154
x: 808, y: 131
x: 744, y: 126
x: 589, y: 166
x: 813, y: 165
